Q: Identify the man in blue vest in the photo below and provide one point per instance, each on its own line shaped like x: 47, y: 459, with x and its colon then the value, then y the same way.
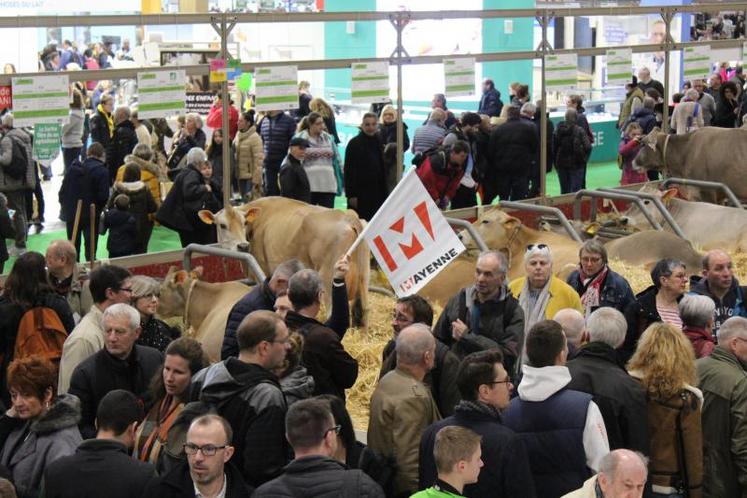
x: 563, y: 430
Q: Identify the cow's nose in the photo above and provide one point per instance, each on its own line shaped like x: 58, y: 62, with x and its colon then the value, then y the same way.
x: 243, y: 247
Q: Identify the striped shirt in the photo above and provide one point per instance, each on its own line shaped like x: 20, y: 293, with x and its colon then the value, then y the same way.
x: 671, y: 316
x: 428, y: 136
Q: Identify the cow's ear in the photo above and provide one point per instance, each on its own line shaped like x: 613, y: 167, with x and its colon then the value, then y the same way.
x: 180, y: 277
x: 252, y: 213
x: 511, y: 223
x: 670, y: 193
x: 206, y: 216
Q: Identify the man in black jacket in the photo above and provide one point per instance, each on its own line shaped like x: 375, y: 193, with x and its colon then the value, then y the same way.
x: 293, y: 180
x: 490, y: 101
x: 311, y: 431
x: 442, y: 378
x: 261, y: 297
x: 513, y: 152
x: 484, y: 315
x: 333, y: 369
x: 207, y: 471
x: 247, y: 394
x: 122, y: 364
x: 124, y: 139
x: 597, y: 370
x: 276, y: 130
x: 486, y: 389
x: 104, y: 465
x: 365, y: 175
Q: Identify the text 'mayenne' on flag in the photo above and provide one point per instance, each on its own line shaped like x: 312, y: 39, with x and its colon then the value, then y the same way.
x: 410, y: 238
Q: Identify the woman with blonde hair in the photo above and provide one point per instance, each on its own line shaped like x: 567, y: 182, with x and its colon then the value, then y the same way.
x: 321, y: 107
x: 388, y: 139
x: 664, y: 363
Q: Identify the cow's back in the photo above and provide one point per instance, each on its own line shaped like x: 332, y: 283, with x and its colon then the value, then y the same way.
x: 647, y: 247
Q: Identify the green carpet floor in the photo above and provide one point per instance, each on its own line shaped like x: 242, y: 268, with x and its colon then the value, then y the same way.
x: 163, y: 239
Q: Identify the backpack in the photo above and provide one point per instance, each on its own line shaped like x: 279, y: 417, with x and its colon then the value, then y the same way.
x: 19, y: 160
x: 419, y: 157
x: 40, y: 333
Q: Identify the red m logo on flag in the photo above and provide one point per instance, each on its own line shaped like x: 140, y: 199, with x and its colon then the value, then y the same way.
x: 415, y: 247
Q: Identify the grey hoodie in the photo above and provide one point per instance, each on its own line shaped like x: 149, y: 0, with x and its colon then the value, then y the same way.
x: 53, y: 435
x: 297, y: 385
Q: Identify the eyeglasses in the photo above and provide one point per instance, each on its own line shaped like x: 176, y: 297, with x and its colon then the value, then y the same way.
x: 207, y: 449
x: 336, y: 428
x: 506, y: 381
x: 538, y: 246
x: 125, y: 289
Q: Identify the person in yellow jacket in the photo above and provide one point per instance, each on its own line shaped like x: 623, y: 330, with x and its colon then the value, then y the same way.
x: 150, y: 173
x: 249, y: 156
x: 541, y: 294
x: 458, y: 460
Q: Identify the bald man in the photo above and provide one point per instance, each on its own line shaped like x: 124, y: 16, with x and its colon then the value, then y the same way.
x: 402, y: 406
x: 573, y: 324
x: 69, y: 278
x: 622, y: 474
x: 720, y: 284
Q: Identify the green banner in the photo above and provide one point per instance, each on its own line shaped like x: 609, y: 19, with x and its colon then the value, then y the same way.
x: 46, y: 141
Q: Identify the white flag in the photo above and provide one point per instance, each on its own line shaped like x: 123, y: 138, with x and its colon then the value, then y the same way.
x: 410, y: 238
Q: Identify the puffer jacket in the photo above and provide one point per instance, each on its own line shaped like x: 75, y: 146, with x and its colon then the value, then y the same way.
x: 249, y: 155
x: 7, y: 183
x: 569, y: 141
x: 142, y: 208
x: 120, y: 146
x: 276, y: 132
x: 31, y: 446
x: 297, y: 385
x: 150, y: 174
x: 723, y: 380
x: 319, y: 477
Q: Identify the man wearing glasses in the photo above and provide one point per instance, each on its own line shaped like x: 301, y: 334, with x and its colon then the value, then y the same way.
x: 486, y: 389
x: 207, y: 472
x: 247, y: 394
x: 109, y: 284
x: 311, y: 431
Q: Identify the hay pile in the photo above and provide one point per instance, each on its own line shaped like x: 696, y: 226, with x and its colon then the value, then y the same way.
x: 367, y: 348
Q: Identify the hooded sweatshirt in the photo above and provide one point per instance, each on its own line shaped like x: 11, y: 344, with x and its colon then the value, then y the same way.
x: 538, y: 384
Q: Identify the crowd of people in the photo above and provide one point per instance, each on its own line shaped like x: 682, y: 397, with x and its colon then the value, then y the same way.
x: 536, y: 387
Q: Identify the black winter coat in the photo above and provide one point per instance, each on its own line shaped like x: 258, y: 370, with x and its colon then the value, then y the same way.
x: 122, y: 229
x: 157, y: 334
x: 98, y: 467
x: 121, y: 145
x: 188, y: 196
x: 506, y: 472
x: 276, y: 132
x: 571, y: 146
x: 88, y: 182
x: 319, y: 477
x: 490, y: 103
x: 177, y: 483
x: 639, y: 314
x: 513, y: 149
x: 294, y: 183
x: 102, y: 373
x: 142, y: 205
x: 365, y: 174
x: 616, y: 292
x: 596, y: 370
x: 100, y: 130
x: 333, y: 369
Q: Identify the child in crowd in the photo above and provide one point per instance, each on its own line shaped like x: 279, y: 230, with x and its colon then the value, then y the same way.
x: 628, y: 149
x: 458, y: 461
x: 122, y: 228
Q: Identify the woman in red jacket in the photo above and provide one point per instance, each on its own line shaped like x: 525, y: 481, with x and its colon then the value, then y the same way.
x: 442, y: 170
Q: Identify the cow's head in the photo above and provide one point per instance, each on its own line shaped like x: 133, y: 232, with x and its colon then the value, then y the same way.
x: 494, y: 226
x: 637, y: 219
x: 651, y: 154
x: 231, y: 224
x: 174, y: 289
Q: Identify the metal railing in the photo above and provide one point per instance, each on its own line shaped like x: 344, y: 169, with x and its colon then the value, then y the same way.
x: 706, y: 185
x: 557, y: 213
x: 252, y: 267
x: 659, y: 205
x: 471, y: 230
x: 597, y: 194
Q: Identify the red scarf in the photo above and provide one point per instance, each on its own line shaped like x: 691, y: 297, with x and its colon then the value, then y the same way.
x: 592, y: 290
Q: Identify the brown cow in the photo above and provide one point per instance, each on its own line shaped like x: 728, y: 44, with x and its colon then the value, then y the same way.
x: 279, y: 229
x: 204, y: 306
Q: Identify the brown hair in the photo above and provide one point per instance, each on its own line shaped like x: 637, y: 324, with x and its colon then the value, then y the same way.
x: 32, y: 376
x: 454, y: 444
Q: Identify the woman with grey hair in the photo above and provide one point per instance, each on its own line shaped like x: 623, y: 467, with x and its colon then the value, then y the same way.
x: 658, y: 303
x: 194, y: 190
x: 688, y: 115
x: 696, y: 312
x: 187, y: 138
x: 154, y: 332
x: 541, y: 294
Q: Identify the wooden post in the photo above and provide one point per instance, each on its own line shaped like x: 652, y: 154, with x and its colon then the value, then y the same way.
x: 94, y: 234
x: 76, y: 223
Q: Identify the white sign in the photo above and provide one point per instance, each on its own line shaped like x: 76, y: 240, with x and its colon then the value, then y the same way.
x: 562, y: 72
x: 697, y: 62
x: 161, y: 93
x: 459, y: 75
x: 410, y: 238
x: 41, y: 99
x: 277, y: 88
x: 619, y: 66
x: 370, y: 82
